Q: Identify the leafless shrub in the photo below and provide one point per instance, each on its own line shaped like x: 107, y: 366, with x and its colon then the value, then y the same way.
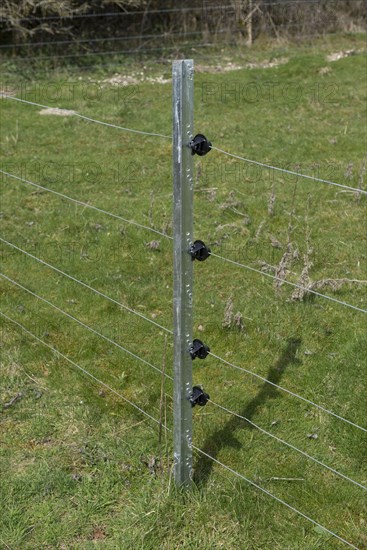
x: 243, y: 21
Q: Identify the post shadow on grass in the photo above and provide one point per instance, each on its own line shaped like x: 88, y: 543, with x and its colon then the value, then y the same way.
x: 224, y: 437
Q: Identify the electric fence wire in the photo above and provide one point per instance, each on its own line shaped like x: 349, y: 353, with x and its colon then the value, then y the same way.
x: 87, y: 205
x: 289, y: 506
x: 274, y: 277
x: 169, y: 331
x: 232, y: 365
x: 197, y: 449
x: 80, y: 368
x: 203, y: 8
x: 336, y: 472
x: 6, y: 96
x: 138, y: 314
x: 291, y: 172
x: 107, y: 39
x: 128, y: 13
x: 172, y: 47
x: 213, y: 254
x: 83, y: 324
x: 313, y: 178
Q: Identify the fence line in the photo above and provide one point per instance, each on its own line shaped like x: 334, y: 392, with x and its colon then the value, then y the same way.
x: 238, y: 474
x: 171, y: 332
x: 118, y: 52
x: 213, y: 254
x: 6, y: 96
x: 86, y: 205
x: 291, y: 172
x: 217, y: 357
x: 287, y: 391
x: 87, y: 286
x: 274, y: 277
x: 336, y: 472
x: 108, y: 39
x: 127, y: 13
x: 167, y: 330
x: 222, y: 7
x: 313, y: 178
x: 197, y: 449
x: 83, y: 324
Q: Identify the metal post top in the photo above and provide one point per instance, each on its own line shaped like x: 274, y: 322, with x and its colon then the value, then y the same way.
x: 178, y: 61
x: 182, y: 66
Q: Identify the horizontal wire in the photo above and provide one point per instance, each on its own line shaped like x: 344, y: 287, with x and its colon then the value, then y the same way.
x: 238, y: 474
x: 6, y: 96
x: 85, y: 204
x: 87, y: 286
x: 112, y: 39
x: 296, y: 27
x: 83, y: 324
x: 171, y: 48
x: 122, y: 128
x: 80, y: 368
x: 285, y: 26
x: 280, y: 3
x: 119, y: 14
x: 287, y: 391
x: 274, y: 277
x: 117, y: 52
x: 313, y: 178
x: 167, y: 330
x: 203, y: 8
x: 168, y: 429
x: 289, y: 445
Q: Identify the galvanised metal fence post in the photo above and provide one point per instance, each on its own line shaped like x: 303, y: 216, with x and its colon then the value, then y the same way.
x: 183, y: 100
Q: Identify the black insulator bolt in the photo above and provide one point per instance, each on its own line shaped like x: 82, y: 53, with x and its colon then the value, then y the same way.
x: 199, y: 349
x: 198, y: 397
x: 199, y: 251
x: 200, y: 145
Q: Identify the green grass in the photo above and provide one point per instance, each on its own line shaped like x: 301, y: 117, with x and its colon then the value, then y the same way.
x: 74, y: 456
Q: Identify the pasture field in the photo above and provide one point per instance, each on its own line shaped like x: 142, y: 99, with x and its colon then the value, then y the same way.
x: 80, y: 467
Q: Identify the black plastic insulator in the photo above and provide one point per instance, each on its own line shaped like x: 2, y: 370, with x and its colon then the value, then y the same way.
x: 198, y: 397
x: 200, y: 145
x: 199, y: 349
x: 199, y: 251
